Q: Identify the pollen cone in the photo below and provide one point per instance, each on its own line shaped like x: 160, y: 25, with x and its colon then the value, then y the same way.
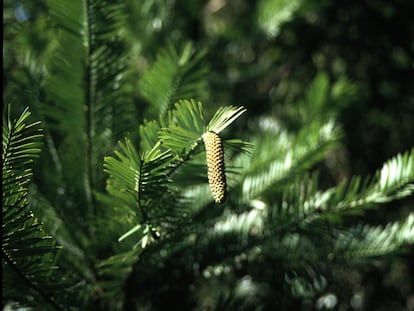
x: 215, y: 165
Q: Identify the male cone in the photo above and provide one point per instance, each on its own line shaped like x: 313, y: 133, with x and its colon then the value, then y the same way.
x: 215, y: 164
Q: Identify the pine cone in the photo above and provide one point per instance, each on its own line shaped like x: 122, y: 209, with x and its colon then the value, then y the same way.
x: 215, y: 165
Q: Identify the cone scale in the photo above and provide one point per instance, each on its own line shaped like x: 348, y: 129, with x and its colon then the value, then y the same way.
x: 215, y: 166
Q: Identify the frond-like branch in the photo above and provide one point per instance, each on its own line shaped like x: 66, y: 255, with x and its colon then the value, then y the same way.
x: 395, y: 180
x: 28, y: 253
x: 142, y: 180
x: 272, y: 14
x: 174, y: 76
x: 138, y: 180
x: 284, y: 157
x: 230, y: 236
x: 304, y: 205
x: 367, y: 241
x: 184, y: 128
x: 113, y: 273
x: 88, y: 70
x: 224, y: 117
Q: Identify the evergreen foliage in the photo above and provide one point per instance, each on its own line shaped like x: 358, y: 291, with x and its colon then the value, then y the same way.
x: 28, y: 252
x: 106, y: 201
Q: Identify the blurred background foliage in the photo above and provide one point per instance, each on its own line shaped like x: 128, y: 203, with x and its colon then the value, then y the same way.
x: 278, y: 59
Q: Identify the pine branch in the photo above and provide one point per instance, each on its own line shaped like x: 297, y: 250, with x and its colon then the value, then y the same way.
x: 88, y: 71
x: 179, y: 141
x: 29, y: 282
x: 113, y: 272
x: 230, y: 236
x: 223, y: 117
x: 367, y: 241
x: 172, y: 77
x: 86, y: 89
x: 395, y: 180
x: 269, y: 21
x: 27, y: 251
x: 137, y: 180
x: 295, y: 155
x: 142, y: 182
x: 108, y: 113
x: 301, y: 224
x: 185, y: 129
x: 185, y: 126
x: 304, y: 206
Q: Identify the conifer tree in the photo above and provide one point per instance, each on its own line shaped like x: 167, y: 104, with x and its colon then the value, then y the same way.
x: 127, y: 188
